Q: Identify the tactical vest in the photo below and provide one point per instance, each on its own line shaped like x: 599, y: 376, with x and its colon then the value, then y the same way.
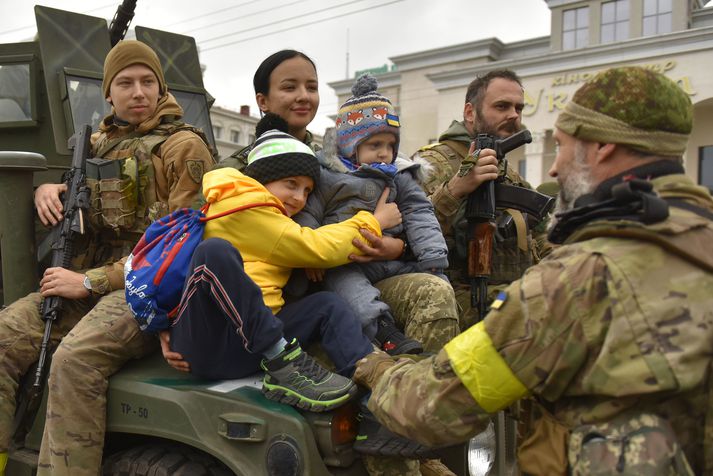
x: 123, y: 191
x: 513, y: 252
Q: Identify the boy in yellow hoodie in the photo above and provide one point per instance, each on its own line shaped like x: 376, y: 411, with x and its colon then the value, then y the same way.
x: 233, y: 318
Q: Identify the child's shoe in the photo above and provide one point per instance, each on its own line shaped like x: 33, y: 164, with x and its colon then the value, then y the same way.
x: 294, y: 378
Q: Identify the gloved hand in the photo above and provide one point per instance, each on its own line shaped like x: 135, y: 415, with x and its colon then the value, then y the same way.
x: 372, y: 367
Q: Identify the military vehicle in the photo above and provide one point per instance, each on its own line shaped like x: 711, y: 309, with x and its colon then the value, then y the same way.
x: 159, y: 420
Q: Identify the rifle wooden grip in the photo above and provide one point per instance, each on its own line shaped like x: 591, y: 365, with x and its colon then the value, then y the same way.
x: 480, y: 249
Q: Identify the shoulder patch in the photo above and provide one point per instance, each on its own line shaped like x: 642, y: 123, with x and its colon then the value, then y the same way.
x: 499, y: 300
x: 195, y: 170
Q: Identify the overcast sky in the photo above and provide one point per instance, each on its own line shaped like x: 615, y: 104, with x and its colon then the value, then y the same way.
x: 235, y: 36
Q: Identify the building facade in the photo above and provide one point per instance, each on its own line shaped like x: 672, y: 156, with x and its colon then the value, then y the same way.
x: 674, y: 37
x: 232, y: 130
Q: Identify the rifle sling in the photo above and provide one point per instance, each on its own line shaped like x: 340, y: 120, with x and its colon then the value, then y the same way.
x: 520, y: 227
x: 680, y: 203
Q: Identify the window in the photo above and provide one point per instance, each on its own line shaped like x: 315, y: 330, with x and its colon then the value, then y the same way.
x: 657, y: 17
x: 15, y: 93
x: 522, y: 168
x: 615, y: 21
x: 195, y: 112
x: 86, y: 101
x: 235, y: 136
x: 705, y: 166
x: 575, y: 28
x: 217, y: 132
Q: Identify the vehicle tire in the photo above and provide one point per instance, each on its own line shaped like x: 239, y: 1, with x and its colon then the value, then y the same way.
x: 163, y: 460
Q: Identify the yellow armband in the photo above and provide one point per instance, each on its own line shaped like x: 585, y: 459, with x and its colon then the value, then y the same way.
x: 483, y: 372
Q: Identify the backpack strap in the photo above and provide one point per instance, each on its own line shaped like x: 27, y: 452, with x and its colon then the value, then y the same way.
x: 205, y: 207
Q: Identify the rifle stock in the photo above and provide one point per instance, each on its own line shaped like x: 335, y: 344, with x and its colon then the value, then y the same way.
x: 480, y: 213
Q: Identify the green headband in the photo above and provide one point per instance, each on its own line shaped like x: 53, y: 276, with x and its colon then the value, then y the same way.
x: 589, y: 125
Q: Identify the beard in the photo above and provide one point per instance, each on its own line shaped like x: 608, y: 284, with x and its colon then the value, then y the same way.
x: 576, y: 183
x: 502, y: 130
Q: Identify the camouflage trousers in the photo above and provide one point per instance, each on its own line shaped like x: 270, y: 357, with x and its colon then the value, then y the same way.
x: 21, y: 330
x: 96, y: 348
x: 425, y: 307
x: 101, y: 335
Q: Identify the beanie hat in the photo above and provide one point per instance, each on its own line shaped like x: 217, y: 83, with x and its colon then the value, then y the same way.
x: 631, y: 106
x: 127, y: 53
x: 276, y: 154
x: 364, y: 114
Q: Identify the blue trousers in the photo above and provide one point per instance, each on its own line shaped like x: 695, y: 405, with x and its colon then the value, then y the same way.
x: 223, y: 325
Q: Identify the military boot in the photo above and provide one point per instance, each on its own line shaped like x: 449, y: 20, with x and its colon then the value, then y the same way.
x: 391, y: 340
x: 376, y: 440
x: 294, y: 378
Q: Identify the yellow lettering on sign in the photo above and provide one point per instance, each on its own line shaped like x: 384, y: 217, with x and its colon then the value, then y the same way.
x: 531, y: 104
x: 574, y: 78
x: 556, y: 101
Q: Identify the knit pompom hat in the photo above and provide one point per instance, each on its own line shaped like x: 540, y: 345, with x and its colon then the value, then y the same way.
x: 364, y: 114
x: 276, y: 154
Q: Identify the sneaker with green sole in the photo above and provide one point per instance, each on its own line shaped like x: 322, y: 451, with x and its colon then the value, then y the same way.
x: 295, y: 378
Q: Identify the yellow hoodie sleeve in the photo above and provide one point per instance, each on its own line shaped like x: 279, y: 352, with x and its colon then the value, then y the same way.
x: 324, y: 247
x: 264, y: 234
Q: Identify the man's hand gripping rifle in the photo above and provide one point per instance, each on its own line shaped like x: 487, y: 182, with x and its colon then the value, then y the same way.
x: 75, y: 204
x: 480, y: 212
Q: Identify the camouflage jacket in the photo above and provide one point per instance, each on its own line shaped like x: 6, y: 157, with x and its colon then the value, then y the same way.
x: 617, y: 319
x: 440, y: 162
x: 162, y: 164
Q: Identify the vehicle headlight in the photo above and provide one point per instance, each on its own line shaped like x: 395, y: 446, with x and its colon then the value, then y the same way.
x: 481, y: 452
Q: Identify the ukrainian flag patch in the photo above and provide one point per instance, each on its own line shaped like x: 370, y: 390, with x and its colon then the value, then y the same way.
x: 393, y: 120
x: 499, y: 300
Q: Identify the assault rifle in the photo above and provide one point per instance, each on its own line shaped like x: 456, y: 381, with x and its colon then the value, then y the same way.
x: 75, y: 204
x: 480, y: 213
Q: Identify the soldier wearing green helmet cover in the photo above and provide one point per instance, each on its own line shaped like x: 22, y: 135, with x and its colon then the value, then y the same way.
x: 612, y: 333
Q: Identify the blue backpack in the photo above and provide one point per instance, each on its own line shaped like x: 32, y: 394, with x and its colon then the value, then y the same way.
x: 157, y: 267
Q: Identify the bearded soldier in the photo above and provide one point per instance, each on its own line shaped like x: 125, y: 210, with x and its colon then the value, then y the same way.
x: 161, y: 162
x: 493, y: 105
x: 612, y: 333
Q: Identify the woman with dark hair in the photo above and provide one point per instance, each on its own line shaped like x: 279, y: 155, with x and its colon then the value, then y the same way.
x: 285, y: 84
